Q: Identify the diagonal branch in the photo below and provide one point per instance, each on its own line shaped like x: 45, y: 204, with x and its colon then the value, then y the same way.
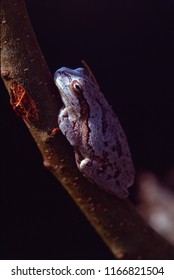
x: 35, y: 98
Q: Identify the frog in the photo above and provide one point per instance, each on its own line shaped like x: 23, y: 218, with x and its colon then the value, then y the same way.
x: 93, y: 129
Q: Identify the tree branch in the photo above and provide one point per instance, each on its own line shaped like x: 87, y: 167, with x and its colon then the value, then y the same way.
x: 35, y: 98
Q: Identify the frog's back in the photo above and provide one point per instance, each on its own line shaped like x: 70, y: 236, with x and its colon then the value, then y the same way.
x: 109, y: 148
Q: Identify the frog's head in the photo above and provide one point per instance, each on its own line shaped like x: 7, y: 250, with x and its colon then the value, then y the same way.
x: 70, y: 84
x: 75, y: 78
x: 74, y: 85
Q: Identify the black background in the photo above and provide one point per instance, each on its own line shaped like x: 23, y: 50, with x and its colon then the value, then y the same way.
x: 129, y: 45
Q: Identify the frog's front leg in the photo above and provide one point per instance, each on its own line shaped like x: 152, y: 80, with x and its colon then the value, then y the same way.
x: 66, y: 126
x: 96, y: 173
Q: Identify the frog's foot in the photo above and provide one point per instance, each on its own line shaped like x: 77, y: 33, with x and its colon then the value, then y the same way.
x: 85, y: 163
x: 66, y: 126
x: 101, y: 176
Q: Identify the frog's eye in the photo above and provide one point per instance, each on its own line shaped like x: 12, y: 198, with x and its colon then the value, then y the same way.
x: 76, y: 87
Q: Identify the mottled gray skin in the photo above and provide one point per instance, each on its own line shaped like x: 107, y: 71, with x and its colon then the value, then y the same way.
x: 88, y: 122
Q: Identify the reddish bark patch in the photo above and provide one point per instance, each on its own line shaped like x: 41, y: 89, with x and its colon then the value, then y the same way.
x: 54, y: 131
x: 23, y: 105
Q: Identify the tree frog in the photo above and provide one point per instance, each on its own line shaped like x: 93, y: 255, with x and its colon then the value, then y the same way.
x: 92, y: 128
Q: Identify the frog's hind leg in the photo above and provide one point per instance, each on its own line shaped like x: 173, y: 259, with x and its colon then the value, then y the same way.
x: 97, y: 174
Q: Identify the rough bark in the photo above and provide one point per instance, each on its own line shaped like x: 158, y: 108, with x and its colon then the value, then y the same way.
x: 35, y: 98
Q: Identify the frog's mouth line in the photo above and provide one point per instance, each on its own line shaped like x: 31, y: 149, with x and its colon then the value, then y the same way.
x: 65, y: 99
x: 62, y: 93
